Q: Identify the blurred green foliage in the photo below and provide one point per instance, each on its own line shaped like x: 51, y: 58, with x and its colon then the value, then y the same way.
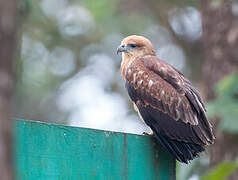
x: 225, y: 105
x: 221, y: 171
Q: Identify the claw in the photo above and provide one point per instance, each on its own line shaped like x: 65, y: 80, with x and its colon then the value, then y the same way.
x: 148, y: 134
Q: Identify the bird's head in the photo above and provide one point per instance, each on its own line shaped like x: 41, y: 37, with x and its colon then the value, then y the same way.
x: 135, y: 46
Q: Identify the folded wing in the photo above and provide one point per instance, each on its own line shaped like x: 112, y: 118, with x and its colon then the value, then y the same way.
x: 170, y: 105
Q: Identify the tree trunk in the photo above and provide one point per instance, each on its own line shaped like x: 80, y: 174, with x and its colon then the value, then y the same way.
x: 220, y: 43
x: 8, y: 10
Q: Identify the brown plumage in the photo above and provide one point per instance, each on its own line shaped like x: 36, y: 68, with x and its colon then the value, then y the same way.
x: 166, y: 101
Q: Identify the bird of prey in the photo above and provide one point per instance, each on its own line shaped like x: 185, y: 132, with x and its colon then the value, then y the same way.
x: 165, y: 100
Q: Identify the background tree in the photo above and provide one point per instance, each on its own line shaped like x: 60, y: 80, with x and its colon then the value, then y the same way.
x: 8, y: 14
x: 220, y: 44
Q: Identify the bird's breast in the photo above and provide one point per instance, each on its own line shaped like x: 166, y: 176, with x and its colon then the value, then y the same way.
x: 125, y: 64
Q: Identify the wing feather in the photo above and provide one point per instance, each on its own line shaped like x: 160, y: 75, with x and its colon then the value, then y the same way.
x: 160, y: 88
x: 196, y: 109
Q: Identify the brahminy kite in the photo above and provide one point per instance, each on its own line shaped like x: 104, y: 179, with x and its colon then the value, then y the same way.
x: 165, y: 100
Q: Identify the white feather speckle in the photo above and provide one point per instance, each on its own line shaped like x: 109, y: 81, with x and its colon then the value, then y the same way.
x: 150, y: 83
x: 162, y: 93
x: 140, y: 82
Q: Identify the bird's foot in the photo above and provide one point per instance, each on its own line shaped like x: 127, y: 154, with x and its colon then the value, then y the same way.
x: 148, y: 134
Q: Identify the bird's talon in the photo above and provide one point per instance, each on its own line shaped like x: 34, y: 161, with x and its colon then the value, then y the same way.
x: 148, y: 134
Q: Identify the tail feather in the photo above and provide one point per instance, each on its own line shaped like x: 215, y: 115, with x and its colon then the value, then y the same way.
x: 183, y: 152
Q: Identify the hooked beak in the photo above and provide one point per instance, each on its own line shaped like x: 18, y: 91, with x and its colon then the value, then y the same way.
x: 121, y: 48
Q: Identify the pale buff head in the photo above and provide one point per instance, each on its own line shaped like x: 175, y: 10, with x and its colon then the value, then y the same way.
x: 136, y: 46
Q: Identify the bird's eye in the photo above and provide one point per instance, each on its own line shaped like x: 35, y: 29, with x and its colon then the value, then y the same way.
x: 133, y: 45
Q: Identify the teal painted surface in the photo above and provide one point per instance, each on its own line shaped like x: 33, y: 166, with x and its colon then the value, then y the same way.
x: 48, y: 152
